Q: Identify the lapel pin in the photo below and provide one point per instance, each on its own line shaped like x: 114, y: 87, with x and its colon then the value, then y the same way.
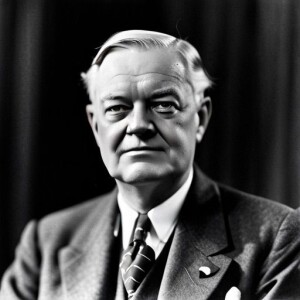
x: 204, y: 271
x: 208, y: 269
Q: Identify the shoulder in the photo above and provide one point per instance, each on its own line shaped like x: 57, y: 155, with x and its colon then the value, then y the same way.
x: 66, y: 225
x: 237, y: 205
x: 256, y: 219
x: 40, y: 249
x: 79, y: 212
x: 236, y: 202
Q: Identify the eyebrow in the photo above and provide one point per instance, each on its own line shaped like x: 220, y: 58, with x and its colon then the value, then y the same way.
x: 163, y: 92
x: 111, y: 96
x: 166, y: 92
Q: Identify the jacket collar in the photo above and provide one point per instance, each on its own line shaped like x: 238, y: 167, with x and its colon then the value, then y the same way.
x: 203, y: 217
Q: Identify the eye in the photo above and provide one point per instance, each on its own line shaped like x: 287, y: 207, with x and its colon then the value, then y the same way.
x: 165, y: 107
x: 117, y: 109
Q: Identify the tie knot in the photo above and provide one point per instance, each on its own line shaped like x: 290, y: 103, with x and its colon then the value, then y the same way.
x: 142, y: 227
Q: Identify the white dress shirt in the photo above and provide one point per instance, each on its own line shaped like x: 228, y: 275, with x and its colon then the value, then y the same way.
x: 163, y: 218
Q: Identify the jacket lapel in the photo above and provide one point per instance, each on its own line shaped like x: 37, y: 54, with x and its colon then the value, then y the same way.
x: 200, y: 237
x: 85, y: 265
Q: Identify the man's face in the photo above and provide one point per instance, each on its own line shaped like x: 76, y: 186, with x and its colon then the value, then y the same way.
x: 144, y: 116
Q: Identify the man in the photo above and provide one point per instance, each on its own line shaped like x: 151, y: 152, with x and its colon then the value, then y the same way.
x: 166, y: 231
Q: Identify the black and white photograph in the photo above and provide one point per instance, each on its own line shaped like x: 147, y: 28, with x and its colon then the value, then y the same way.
x: 149, y: 149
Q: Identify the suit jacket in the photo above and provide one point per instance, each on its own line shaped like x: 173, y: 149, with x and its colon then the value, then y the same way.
x: 245, y: 241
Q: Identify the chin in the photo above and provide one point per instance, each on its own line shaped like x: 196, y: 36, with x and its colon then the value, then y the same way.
x: 140, y: 173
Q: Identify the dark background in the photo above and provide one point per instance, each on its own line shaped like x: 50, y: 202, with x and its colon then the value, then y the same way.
x: 48, y: 158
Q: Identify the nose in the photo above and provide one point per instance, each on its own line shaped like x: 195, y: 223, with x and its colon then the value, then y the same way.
x: 140, y: 123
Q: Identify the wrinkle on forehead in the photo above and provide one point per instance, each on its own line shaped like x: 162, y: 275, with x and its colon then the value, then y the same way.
x: 177, y: 77
x: 144, y: 86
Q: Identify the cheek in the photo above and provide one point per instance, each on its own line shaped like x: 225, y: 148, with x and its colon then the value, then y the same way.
x: 110, y: 135
x: 107, y: 145
x: 184, y: 129
x: 181, y: 137
x: 186, y: 139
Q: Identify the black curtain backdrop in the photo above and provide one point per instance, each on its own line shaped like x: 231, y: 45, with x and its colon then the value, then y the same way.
x: 48, y: 158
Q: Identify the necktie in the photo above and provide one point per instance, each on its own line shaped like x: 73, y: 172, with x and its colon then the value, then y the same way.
x: 138, y: 258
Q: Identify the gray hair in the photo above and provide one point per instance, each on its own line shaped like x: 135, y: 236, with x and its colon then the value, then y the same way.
x: 147, y: 40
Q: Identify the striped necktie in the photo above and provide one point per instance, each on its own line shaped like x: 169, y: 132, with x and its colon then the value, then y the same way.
x: 138, y: 258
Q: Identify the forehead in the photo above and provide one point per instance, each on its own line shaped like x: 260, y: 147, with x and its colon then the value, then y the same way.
x: 125, y: 66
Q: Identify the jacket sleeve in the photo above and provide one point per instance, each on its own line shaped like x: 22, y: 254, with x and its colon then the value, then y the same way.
x: 21, y: 280
x: 281, y: 271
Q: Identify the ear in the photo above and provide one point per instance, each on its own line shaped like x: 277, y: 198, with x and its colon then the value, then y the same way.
x: 204, y: 113
x: 91, y: 115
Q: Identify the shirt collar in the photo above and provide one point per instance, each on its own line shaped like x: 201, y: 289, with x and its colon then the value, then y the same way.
x: 163, y: 216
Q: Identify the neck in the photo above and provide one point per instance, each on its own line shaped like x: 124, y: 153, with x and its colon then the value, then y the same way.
x: 144, y: 196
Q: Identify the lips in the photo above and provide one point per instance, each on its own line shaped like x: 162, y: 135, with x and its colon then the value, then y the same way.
x: 136, y: 149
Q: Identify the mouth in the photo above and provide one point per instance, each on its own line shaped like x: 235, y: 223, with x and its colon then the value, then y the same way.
x: 143, y: 149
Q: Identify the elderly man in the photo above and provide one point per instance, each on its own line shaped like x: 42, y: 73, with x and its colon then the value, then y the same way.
x: 166, y: 231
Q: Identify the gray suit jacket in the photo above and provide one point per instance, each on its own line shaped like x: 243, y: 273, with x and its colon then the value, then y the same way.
x: 246, y: 241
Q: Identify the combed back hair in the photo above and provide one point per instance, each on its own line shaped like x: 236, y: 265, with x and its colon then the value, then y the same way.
x: 148, y: 40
